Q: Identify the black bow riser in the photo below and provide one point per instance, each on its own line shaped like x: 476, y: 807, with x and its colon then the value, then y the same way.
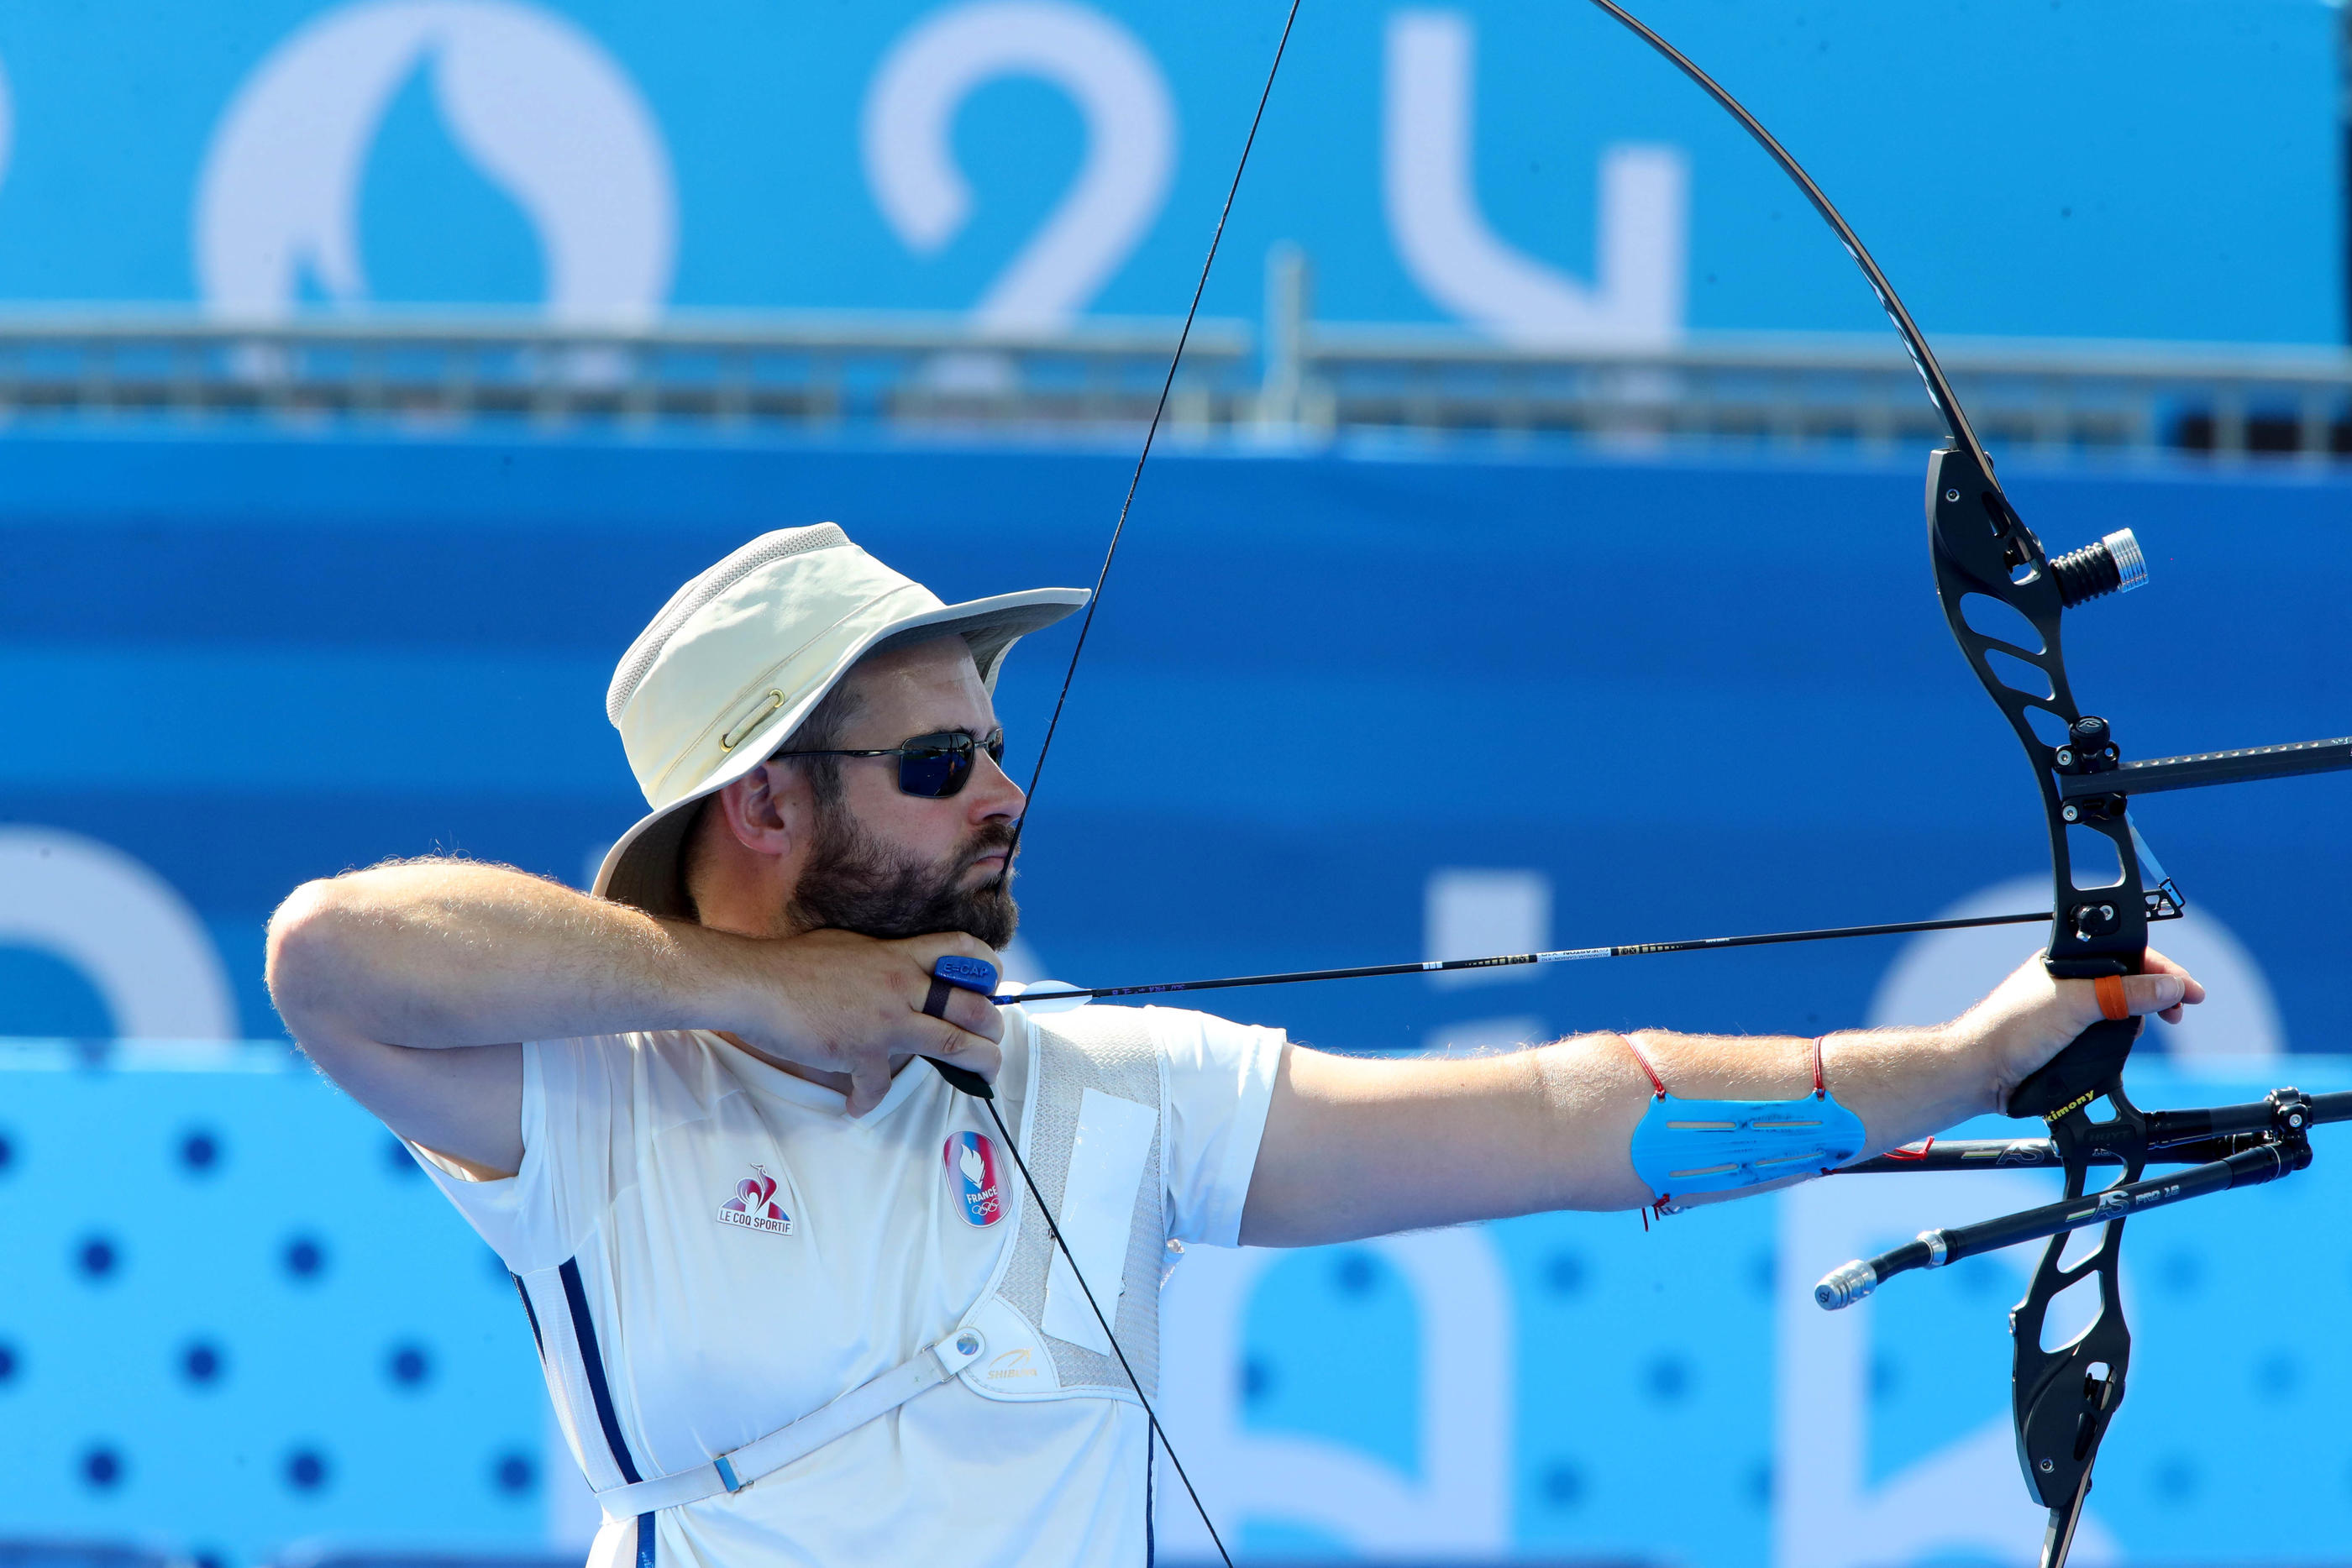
x: 1982, y: 550
x: 2063, y: 1399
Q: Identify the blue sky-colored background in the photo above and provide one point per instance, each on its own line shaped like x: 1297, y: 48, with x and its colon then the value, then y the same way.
x: 249, y: 660
x: 2165, y: 169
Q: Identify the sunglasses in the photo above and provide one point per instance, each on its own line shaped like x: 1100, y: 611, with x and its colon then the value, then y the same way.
x: 934, y: 767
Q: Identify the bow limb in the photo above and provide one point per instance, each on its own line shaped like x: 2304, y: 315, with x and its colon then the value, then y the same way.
x: 1984, y: 555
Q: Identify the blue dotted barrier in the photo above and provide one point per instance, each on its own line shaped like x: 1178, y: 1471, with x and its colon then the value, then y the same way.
x: 238, y: 1316
x: 241, y: 1328
x: 1674, y: 1396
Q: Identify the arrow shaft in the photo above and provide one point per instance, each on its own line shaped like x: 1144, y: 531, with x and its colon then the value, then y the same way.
x: 1559, y: 956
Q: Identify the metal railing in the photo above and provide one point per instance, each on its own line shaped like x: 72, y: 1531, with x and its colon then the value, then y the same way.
x: 784, y: 370
x: 1794, y: 391
x: 1313, y: 381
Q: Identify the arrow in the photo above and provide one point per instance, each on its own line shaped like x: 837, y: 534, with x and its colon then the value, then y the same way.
x: 1053, y: 995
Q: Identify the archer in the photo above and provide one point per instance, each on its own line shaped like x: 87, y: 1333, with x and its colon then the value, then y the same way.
x: 796, y: 1302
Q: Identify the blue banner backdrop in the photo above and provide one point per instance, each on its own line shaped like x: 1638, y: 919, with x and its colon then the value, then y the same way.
x: 1352, y: 707
x: 1530, y: 171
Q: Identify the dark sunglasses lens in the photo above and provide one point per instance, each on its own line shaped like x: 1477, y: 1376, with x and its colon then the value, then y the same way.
x: 935, y: 766
x: 995, y: 746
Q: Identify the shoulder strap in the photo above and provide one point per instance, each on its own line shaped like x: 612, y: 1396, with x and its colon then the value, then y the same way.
x: 738, y: 1468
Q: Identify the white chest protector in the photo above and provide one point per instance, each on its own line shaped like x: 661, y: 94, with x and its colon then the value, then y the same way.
x: 1090, y: 1097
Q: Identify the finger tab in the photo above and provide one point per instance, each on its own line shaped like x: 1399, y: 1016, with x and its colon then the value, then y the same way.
x: 968, y: 973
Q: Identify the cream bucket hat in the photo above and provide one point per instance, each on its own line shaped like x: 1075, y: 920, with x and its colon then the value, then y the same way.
x: 739, y: 656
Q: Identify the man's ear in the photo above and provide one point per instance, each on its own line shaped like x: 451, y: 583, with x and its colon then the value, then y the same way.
x: 768, y: 810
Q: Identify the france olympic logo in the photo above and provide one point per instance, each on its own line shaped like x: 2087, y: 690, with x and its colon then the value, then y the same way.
x: 971, y: 1171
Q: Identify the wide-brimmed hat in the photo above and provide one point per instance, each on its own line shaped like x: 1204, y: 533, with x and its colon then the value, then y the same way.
x: 738, y: 658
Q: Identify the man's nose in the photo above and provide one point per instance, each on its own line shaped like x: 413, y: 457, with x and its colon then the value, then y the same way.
x: 993, y: 792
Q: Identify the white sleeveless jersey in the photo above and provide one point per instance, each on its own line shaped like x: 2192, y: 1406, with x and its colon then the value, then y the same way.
x: 709, y: 1248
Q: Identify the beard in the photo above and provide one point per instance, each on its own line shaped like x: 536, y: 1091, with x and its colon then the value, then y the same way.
x: 854, y: 881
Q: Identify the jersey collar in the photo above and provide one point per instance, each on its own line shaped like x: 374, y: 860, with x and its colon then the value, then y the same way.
x: 799, y: 1090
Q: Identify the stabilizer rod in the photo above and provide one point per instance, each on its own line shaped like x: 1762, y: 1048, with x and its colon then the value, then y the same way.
x: 2174, y: 1137
x: 2269, y: 1161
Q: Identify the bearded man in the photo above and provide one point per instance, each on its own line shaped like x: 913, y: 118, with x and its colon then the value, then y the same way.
x: 791, y: 1305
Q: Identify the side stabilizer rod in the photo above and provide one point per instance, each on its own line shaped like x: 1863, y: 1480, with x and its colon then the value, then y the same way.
x: 2265, y: 1162
x: 2174, y: 1137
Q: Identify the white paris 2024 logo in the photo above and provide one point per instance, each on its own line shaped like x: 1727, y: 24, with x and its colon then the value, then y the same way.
x: 543, y: 111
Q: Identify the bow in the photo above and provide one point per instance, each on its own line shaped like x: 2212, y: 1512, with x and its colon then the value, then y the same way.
x: 2003, y: 596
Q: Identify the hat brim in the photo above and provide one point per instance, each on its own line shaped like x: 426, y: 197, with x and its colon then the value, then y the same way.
x: 644, y: 868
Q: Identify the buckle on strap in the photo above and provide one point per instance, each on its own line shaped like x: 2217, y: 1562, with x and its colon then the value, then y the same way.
x: 726, y: 1473
x: 960, y: 1349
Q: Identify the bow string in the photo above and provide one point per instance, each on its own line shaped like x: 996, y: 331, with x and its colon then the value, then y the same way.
x: 2003, y: 597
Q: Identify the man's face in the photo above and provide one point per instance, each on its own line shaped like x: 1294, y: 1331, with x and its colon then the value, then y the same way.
x: 887, y: 863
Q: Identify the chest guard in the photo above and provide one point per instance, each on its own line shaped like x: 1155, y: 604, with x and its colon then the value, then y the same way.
x: 1091, y: 1131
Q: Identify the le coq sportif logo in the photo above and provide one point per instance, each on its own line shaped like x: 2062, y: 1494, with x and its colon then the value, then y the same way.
x: 754, y: 1206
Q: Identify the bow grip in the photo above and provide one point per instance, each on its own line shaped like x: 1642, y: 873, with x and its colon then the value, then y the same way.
x: 2077, y: 1074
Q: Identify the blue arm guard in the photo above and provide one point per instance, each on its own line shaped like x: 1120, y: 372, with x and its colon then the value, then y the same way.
x: 1685, y: 1146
